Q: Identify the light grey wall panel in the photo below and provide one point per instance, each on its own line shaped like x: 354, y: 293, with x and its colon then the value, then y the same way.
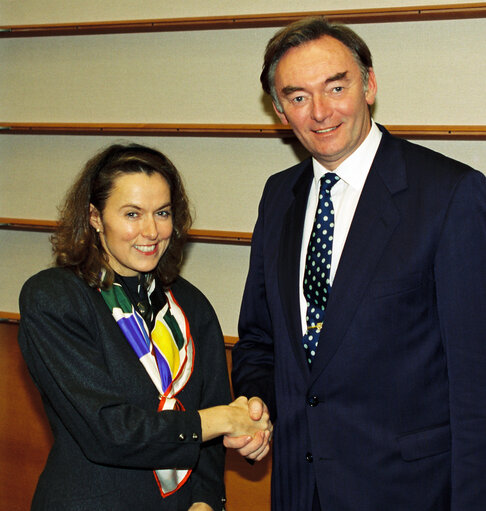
x: 224, y: 177
x: 220, y: 272
x: 21, y: 255
x: 213, y: 76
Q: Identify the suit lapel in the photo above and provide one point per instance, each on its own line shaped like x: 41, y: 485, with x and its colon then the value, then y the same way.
x: 374, y: 221
x: 289, y: 260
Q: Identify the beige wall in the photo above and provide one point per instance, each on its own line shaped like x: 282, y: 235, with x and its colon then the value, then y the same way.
x: 428, y: 73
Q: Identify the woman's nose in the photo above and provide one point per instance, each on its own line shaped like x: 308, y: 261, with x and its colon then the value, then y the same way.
x: 149, y: 228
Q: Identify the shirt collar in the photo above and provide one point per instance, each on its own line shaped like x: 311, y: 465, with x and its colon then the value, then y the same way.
x: 355, y: 168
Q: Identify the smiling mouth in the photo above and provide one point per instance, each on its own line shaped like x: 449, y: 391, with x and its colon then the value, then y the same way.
x: 327, y: 130
x: 147, y: 249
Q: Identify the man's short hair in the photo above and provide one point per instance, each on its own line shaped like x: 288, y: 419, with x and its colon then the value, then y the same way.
x: 304, y: 31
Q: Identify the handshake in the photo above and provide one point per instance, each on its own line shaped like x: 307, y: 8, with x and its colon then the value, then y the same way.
x: 244, y: 423
x: 253, y: 431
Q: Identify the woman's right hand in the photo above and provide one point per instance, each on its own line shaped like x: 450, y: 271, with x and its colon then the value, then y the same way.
x: 257, y: 447
x: 243, y: 423
x: 232, y: 420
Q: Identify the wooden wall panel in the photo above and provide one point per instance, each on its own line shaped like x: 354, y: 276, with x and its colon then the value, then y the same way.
x: 247, y: 486
x: 25, y: 436
x: 25, y: 440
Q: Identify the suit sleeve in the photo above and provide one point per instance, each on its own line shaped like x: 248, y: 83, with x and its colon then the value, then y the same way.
x: 253, y: 357
x: 208, y: 475
x: 60, y: 339
x: 460, y: 273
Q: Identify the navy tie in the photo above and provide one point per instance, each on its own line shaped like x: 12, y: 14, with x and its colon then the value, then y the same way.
x: 318, y: 266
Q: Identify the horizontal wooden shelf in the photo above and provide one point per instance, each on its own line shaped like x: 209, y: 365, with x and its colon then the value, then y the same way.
x: 24, y: 224
x: 14, y: 317
x: 439, y: 132
x: 460, y: 132
x: 147, y: 129
x: 220, y: 237
x: 9, y: 317
x: 195, y: 235
x: 378, y: 15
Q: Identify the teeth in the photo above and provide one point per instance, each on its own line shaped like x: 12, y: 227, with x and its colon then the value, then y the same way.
x: 326, y: 130
x: 145, y: 248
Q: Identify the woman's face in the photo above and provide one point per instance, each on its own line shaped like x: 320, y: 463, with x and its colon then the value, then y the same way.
x: 135, y: 226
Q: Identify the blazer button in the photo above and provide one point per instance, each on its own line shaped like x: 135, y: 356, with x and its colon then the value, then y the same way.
x: 195, y: 437
x: 182, y: 437
x: 313, y: 400
x: 309, y: 457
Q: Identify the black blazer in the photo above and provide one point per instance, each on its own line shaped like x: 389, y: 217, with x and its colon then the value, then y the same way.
x: 102, y: 405
x: 392, y: 415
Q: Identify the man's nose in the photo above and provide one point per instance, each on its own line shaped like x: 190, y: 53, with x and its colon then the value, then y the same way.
x: 321, y: 108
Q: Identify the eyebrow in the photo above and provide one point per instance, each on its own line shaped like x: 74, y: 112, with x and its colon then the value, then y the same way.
x: 139, y: 208
x: 290, y: 89
x: 335, y: 78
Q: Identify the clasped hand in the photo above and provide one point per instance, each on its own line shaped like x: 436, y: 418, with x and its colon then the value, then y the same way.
x: 254, y: 442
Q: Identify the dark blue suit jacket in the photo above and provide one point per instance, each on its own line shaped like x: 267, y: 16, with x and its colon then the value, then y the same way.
x: 392, y: 415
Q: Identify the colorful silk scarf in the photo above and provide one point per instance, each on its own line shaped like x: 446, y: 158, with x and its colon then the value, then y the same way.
x: 167, y: 354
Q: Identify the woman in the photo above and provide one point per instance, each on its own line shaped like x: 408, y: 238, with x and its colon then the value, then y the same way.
x: 127, y: 355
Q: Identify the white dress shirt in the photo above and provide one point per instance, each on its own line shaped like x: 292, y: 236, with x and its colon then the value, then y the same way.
x: 345, y: 195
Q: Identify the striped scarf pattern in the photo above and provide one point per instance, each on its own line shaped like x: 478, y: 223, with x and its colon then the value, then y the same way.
x: 167, y: 354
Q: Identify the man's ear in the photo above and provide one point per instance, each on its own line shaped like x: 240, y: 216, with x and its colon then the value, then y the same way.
x: 280, y: 115
x: 372, y: 87
x: 95, y: 218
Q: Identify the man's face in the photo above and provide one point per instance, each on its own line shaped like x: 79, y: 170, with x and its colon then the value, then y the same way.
x: 320, y: 88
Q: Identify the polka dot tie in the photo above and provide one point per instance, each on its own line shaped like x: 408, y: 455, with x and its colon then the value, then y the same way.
x: 318, y: 266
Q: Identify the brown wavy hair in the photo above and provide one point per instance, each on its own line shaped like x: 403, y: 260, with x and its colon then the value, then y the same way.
x: 76, y: 244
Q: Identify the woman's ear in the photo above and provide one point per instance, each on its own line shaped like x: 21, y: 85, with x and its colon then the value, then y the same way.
x: 95, y: 218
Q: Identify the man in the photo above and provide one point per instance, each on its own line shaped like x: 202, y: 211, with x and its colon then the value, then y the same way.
x: 379, y: 403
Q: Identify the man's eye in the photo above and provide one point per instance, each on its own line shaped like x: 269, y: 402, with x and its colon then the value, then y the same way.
x: 131, y: 214
x: 338, y: 89
x: 298, y: 99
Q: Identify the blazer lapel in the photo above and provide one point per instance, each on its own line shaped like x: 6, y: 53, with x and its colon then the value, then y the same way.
x: 289, y: 260
x: 374, y: 221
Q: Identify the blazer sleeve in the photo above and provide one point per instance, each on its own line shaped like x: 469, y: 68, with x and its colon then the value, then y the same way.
x: 60, y: 337
x: 253, y: 356
x: 208, y: 475
x: 460, y: 273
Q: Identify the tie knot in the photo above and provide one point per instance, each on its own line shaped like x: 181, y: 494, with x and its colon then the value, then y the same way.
x: 328, y: 180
